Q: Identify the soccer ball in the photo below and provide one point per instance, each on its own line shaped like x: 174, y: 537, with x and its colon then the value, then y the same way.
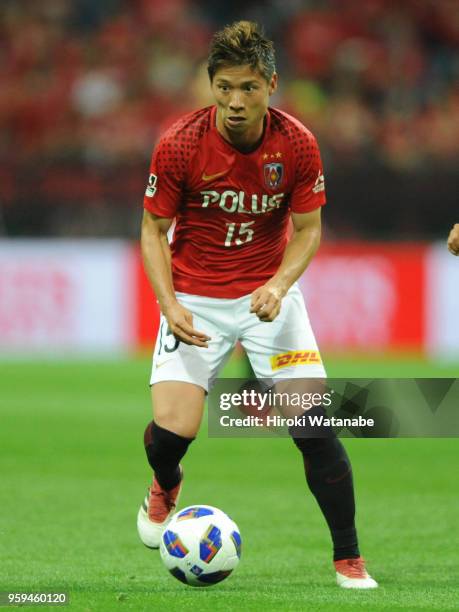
x: 201, y: 545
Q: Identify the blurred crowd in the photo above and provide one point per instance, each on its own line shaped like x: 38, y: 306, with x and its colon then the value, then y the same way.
x: 94, y: 83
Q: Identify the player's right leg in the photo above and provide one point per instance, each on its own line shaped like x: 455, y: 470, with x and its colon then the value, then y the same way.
x: 180, y: 378
x: 178, y: 409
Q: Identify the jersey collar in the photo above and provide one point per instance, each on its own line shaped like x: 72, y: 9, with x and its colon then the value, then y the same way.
x: 213, y: 123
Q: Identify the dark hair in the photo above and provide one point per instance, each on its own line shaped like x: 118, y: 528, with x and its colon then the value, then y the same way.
x: 242, y: 42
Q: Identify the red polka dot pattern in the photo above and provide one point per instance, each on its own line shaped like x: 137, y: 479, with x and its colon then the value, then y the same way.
x: 304, y: 145
x: 180, y: 141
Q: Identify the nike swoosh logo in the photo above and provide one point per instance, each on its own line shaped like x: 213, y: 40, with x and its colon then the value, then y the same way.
x: 212, y: 177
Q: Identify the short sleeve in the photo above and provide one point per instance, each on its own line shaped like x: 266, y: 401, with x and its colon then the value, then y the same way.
x: 164, y: 190
x: 309, y: 191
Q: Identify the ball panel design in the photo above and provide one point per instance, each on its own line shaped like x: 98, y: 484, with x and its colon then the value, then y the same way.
x: 210, y: 544
x: 179, y: 574
x: 237, y: 541
x: 194, y: 512
x: 174, y: 544
x: 214, y: 577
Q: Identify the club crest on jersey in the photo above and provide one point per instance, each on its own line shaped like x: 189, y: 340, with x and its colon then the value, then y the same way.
x: 274, y: 173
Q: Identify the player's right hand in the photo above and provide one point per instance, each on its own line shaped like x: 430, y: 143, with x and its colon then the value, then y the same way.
x: 180, y: 321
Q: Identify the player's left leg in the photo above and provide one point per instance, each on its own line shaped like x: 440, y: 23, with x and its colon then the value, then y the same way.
x: 329, y: 476
x: 286, y: 349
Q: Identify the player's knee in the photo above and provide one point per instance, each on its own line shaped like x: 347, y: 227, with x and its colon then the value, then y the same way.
x: 178, y: 407
x: 163, y: 446
x: 309, y: 436
x: 321, y: 444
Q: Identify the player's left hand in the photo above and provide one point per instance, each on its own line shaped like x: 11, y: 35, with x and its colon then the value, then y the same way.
x: 266, y: 302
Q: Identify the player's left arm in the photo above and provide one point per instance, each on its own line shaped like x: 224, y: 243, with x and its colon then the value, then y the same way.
x: 301, y: 248
x: 453, y: 240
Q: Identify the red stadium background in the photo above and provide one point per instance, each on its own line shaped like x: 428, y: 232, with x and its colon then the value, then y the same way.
x: 360, y: 297
x: 87, y: 88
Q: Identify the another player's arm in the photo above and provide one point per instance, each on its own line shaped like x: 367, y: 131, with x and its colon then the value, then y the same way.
x: 453, y: 240
x: 301, y: 248
x: 157, y: 261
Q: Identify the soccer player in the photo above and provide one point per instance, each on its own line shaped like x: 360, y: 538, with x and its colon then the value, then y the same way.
x: 232, y: 176
x: 453, y: 240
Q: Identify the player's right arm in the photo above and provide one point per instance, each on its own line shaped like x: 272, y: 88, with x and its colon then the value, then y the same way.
x: 162, y: 197
x: 157, y: 261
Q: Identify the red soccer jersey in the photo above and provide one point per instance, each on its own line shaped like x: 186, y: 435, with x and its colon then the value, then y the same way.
x: 231, y: 208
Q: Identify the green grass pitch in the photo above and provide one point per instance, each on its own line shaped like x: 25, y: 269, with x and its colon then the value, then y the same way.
x: 73, y: 474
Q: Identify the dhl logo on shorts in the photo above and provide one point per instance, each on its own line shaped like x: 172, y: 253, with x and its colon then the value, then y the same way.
x: 293, y: 358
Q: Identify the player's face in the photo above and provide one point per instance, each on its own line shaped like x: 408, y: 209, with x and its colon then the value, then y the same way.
x: 242, y: 97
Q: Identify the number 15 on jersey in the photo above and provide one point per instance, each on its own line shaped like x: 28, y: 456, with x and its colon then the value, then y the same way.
x: 238, y: 233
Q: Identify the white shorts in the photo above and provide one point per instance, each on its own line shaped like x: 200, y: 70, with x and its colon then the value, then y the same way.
x: 283, y: 349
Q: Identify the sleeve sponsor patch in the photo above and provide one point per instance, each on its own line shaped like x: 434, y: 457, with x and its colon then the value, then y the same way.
x: 151, y: 187
x: 319, y: 185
